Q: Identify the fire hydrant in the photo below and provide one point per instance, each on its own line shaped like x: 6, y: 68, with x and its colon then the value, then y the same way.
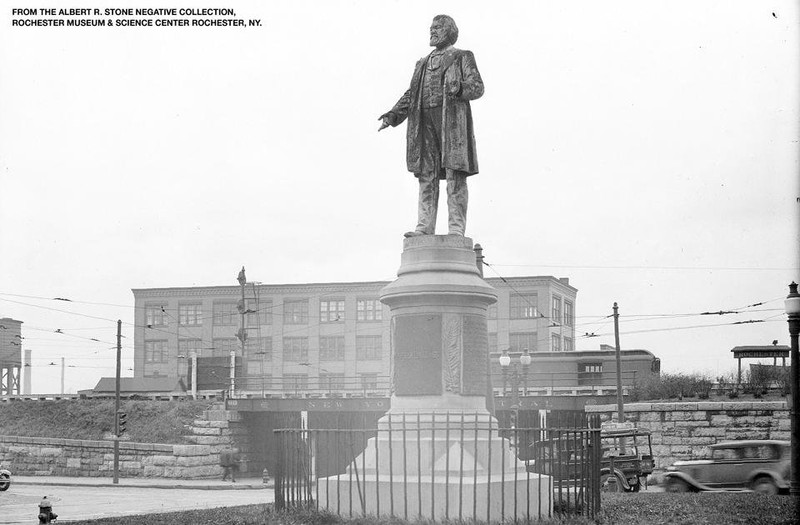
x: 46, y: 514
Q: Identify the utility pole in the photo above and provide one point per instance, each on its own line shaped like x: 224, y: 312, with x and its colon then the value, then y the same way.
x: 242, y: 331
x: 620, y: 409
x: 116, y: 403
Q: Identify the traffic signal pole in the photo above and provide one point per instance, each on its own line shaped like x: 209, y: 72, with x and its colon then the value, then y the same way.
x: 116, y: 403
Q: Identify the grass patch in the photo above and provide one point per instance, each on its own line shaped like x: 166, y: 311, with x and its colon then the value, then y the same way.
x: 618, y: 509
x: 267, y: 515
x: 148, y: 421
x: 713, y: 508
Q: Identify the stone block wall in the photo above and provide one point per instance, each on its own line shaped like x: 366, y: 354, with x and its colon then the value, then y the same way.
x: 682, y: 431
x: 32, y: 456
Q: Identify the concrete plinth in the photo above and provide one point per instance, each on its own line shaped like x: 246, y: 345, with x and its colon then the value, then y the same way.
x: 483, y: 498
x: 438, y: 452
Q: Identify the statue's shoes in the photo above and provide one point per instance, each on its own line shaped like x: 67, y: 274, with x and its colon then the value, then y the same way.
x: 414, y: 234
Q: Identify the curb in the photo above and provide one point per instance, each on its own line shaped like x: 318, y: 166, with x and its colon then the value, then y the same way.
x: 231, y: 486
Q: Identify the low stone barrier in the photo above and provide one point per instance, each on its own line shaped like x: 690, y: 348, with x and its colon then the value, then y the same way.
x: 31, y: 456
x: 683, y: 430
x: 219, y: 429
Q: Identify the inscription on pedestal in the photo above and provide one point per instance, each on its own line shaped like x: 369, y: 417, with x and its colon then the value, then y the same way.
x: 417, y: 341
x: 475, y: 361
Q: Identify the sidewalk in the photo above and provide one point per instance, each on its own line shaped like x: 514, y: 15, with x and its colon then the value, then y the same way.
x: 155, y: 483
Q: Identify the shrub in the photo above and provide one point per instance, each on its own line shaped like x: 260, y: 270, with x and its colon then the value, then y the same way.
x: 672, y: 386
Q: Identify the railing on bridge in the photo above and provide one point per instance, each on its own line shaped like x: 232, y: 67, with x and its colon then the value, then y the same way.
x: 559, y: 477
x: 302, y: 386
x: 298, y: 385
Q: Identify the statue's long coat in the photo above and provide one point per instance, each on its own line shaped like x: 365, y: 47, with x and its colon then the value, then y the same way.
x: 458, y: 137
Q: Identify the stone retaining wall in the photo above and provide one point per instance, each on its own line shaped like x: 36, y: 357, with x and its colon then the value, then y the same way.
x: 32, y: 456
x: 684, y: 430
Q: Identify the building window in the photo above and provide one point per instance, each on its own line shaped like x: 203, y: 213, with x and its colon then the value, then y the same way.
x: 225, y: 314
x: 155, y: 315
x: 295, y: 312
x: 569, y: 313
x: 569, y: 344
x: 369, y: 310
x: 556, y: 313
x: 523, y: 306
x: 493, y: 342
x: 190, y: 314
x: 295, y: 349
x: 155, y: 352
x: 590, y: 368
x: 259, y: 312
x: 331, y: 348
x: 331, y: 382
x: 556, y: 343
x: 519, y: 342
x: 187, y: 347
x: 260, y: 348
x: 295, y: 382
x: 590, y: 373
x: 369, y: 348
x: 222, y: 347
x: 331, y: 310
x: 369, y: 381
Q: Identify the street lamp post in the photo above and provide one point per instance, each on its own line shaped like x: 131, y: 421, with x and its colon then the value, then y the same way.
x: 793, y: 313
x: 518, y: 374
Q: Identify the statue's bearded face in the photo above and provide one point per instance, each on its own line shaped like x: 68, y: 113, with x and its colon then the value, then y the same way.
x: 440, y: 34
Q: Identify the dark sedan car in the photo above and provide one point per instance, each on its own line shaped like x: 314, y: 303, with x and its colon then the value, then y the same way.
x: 757, y: 465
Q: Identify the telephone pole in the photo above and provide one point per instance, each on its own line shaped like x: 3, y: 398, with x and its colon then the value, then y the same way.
x: 620, y: 410
x: 116, y: 403
x: 242, y: 335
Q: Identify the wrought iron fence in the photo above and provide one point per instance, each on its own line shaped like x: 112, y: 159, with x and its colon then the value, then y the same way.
x: 442, y: 466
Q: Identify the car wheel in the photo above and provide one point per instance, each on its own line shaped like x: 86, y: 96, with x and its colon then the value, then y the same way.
x: 610, y: 483
x: 677, y: 485
x: 765, y: 485
x: 5, y: 481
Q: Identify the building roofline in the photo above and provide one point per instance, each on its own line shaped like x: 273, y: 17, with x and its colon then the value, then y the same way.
x: 226, y: 288
x: 760, y: 348
x: 584, y: 353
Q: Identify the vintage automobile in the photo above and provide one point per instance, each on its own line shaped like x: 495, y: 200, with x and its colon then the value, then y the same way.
x: 627, y: 458
x: 5, y: 479
x: 757, y: 465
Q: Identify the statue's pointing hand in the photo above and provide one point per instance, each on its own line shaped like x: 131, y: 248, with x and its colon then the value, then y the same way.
x: 384, y: 122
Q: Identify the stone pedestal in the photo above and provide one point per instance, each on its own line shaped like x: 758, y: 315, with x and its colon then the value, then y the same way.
x: 438, y: 452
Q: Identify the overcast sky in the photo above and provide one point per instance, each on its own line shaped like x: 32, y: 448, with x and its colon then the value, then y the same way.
x: 646, y: 150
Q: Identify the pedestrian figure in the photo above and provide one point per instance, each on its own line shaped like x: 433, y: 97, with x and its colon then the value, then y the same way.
x: 229, y: 461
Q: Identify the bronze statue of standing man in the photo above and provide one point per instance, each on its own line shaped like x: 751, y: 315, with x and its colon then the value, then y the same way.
x: 440, y: 138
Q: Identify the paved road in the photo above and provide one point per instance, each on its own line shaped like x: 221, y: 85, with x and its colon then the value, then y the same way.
x: 101, y: 499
